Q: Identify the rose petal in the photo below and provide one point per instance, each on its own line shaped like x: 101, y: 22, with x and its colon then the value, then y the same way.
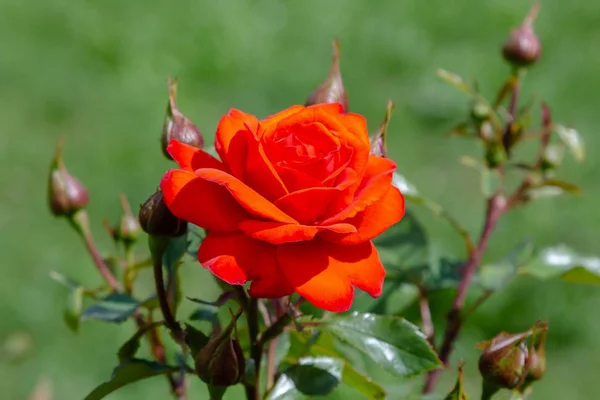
x: 357, y: 124
x: 374, y: 185
x: 373, y: 221
x: 201, y: 202
x: 228, y: 128
x: 273, y: 120
x: 236, y: 258
x: 311, y: 271
x: 191, y: 158
x: 247, y: 197
x: 306, y: 205
x: 261, y: 175
x: 279, y: 233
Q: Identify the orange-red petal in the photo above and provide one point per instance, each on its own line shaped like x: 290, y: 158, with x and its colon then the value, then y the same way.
x: 324, y: 273
x: 375, y: 183
x: 278, y: 232
x: 236, y: 258
x: 371, y: 222
x: 191, y: 158
x: 201, y: 202
x: 261, y: 175
x: 228, y: 128
x: 307, y: 205
x: 247, y: 197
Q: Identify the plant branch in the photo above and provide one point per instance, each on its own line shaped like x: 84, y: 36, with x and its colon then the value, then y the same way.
x: 428, y: 327
x: 271, y: 363
x: 496, y: 207
x: 256, y: 348
x: 80, y: 221
x: 161, y: 293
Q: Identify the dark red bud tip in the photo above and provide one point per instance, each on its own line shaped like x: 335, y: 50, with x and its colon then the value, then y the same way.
x: 129, y: 227
x: 177, y: 126
x: 66, y: 194
x: 156, y: 219
x: 523, y: 47
x: 332, y: 90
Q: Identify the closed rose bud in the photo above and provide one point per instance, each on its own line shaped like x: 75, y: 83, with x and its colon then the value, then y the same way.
x: 379, y: 140
x: 177, y: 126
x: 157, y: 220
x: 66, y: 195
x: 129, y: 227
x: 523, y: 46
x: 537, y: 355
x: 332, y: 90
x: 503, y: 360
x: 221, y: 362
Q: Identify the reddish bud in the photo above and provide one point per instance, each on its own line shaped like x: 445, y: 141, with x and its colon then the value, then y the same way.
x: 379, y: 140
x: 177, y: 126
x: 332, y: 90
x: 537, y: 354
x: 156, y: 219
x: 66, y: 195
x: 523, y: 46
x: 502, y: 362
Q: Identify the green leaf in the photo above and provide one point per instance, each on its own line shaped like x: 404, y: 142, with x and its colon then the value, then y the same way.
x: 564, y: 263
x: 72, y: 313
x: 362, y: 384
x: 458, y: 393
x: 494, y: 276
x: 128, y: 350
x: 63, y: 280
x: 572, y: 139
x: 312, y: 376
x: 392, y: 342
x: 116, y: 307
x: 406, y: 188
x: 127, y: 373
x: 403, y: 249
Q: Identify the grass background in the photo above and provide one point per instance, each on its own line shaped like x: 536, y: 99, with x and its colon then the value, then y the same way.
x: 95, y: 72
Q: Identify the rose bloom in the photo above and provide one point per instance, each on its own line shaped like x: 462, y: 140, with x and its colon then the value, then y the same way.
x: 292, y: 206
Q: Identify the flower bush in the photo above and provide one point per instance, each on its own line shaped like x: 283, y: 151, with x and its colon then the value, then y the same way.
x: 297, y: 214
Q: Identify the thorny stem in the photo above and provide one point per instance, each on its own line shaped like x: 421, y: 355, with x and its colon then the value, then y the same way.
x: 80, y: 221
x: 496, y: 207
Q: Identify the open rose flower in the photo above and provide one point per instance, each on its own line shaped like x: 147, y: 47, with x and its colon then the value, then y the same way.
x: 293, y: 205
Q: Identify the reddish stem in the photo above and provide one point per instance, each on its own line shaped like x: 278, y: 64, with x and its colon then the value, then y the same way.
x: 427, y: 322
x: 495, y: 209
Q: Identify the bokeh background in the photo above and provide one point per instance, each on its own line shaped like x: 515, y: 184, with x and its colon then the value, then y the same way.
x: 96, y: 73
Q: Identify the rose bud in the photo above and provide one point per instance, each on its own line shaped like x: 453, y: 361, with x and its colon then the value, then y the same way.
x: 523, y: 46
x: 503, y: 360
x: 177, y: 126
x: 332, y: 90
x: 379, y: 140
x: 156, y: 219
x: 537, y: 355
x: 129, y: 227
x: 66, y: 195
x: 221, y: 361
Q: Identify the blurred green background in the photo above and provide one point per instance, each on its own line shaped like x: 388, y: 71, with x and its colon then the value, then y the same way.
x: 96, y: 73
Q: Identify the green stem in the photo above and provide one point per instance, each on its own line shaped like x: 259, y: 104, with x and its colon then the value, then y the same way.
x: 256, y: 347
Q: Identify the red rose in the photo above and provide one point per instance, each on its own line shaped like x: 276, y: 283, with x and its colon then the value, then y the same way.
x: 293, y: 206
